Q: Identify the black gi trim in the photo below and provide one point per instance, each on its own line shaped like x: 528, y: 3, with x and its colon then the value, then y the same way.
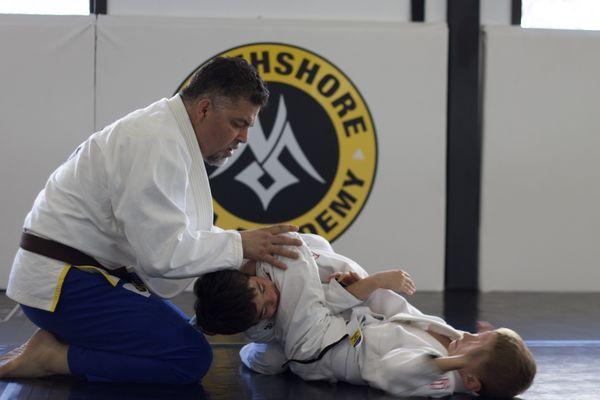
x: 321, y: 354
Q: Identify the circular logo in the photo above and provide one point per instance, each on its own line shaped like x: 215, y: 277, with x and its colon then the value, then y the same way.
x: 311, y: 155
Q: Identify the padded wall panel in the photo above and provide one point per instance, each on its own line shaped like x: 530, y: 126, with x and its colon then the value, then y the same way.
x: 46, y: 110
x: 355, y: 10
x: 541, y: 171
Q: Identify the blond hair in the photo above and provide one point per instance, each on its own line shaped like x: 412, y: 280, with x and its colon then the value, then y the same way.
x: 510, y: 370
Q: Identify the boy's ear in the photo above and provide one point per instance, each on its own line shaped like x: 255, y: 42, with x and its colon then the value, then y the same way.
x: 207, y: 332
x: 470, y: 381
x: 193, y: 321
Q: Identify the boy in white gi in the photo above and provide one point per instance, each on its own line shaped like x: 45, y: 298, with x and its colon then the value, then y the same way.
x: 359, y: 334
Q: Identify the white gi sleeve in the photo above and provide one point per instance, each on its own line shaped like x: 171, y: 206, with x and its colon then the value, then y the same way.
x: 405, y: 372
x: 149, y: 177
x: 316, y: 242
x: 264, y: 358
x: 338, y: 298
x: 389, y: 303
x: 307, y: 325
x: 263, y: 332
x: 330, y: 262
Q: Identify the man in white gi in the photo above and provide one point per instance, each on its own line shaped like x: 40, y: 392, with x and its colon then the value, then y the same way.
x: 136, y: 195
x: 362, y: 334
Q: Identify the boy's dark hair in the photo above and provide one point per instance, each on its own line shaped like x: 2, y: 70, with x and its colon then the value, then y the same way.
x: 227, y: 77
x: 224, y: 302
x: 511, y: 369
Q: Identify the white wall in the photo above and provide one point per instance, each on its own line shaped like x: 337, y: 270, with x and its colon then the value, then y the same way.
x: 46, y: 110
x: 541, y: 161
x: 360, y: 10
x: 493, y: 12
x: 435, y: 11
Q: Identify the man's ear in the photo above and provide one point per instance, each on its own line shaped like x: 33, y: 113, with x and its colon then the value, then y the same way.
x: 470, y: 381
x: 201, y: 108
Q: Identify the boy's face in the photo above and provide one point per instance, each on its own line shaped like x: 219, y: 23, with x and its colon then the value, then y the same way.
x: 470, y: 342
x: 266, y: 297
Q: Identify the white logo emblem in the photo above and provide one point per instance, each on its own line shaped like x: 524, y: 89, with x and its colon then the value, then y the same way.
x: 266, y: 154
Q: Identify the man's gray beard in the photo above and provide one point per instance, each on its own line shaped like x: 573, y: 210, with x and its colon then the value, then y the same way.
x: 216, y: 160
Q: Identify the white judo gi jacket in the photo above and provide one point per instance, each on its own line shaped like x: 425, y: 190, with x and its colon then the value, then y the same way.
x: 395, y: 351
x: 135, y: 194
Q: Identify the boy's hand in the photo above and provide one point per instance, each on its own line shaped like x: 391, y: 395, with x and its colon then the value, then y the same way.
x: 264, y: 243
x: 396, y: 280
x: 346, y: 279
x: 484, y: 326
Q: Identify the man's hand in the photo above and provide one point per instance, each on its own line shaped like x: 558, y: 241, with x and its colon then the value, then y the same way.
x: 264, y: 243
x: 396, y: 280
x: 249, y: 268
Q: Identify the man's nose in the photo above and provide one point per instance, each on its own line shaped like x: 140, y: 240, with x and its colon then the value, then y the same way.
x: 243, y: 136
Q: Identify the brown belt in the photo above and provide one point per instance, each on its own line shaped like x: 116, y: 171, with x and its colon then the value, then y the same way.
x: 58, y: 251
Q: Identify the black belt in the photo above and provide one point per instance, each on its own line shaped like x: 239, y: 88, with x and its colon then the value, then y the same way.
x: 321, y: 354
x: 58, y: 251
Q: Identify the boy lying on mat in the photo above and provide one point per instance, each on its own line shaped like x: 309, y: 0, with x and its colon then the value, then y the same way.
x: 325, y: 318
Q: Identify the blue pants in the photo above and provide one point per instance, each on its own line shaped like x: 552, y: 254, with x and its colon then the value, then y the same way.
x: 117, y: 335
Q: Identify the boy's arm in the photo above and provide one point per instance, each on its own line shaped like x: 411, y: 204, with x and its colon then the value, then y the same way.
x: 396, y: 280
x: 421, y: 371
x: 337, y: 297
x: 358, y: 289
x: 450, y: 363
x: 407, y: 372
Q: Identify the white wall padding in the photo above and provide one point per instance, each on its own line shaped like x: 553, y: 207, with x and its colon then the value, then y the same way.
x: 46, y: 110
x: 540, y: 226
x: 400, y: 70
x: 354, y: 10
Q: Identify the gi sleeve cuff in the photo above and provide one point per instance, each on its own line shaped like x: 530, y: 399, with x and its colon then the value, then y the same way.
x: 338, y: 298
x: 237, y: 250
